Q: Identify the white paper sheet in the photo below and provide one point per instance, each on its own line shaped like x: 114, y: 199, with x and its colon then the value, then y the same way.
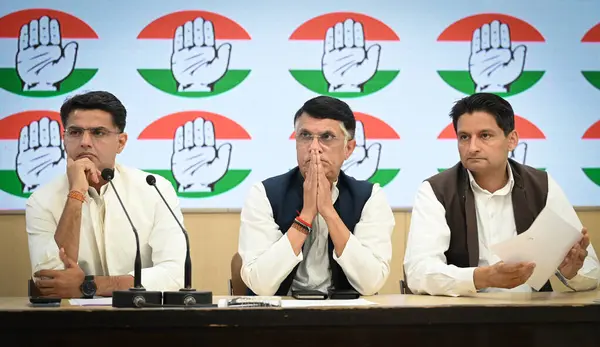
x: 91, y: 302
x: 546, y: 243
x: 325, y: 303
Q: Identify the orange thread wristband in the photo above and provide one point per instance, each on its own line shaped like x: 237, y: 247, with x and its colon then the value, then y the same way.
x: 76, y: 195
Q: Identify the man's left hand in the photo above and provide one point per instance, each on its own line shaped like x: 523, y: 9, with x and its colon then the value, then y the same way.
x: 61, y: 283
x: 324, y: 203
x: 576, y: 256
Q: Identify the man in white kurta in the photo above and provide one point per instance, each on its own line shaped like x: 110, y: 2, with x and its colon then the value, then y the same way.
x: 80, y: 240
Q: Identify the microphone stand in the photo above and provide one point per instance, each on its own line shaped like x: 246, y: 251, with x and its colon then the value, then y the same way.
x: 186, y: 296
x: 137, y: 296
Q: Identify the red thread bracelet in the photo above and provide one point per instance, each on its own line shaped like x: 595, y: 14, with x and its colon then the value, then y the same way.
x: 304, y: 222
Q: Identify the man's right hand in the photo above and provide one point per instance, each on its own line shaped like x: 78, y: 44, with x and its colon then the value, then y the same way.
x: 80, y: 172
x: 502, y: 275
x: 309, y: 210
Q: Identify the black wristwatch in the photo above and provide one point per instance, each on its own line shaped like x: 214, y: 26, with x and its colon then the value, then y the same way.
x: 88, y: 287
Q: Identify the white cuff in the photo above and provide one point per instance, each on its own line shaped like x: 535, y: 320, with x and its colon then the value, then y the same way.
x: 464, y: 282
x: 579, y: 282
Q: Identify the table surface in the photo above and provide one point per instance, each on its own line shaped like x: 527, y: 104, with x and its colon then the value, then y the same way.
x: 553, y: 299
x: 484, y: 319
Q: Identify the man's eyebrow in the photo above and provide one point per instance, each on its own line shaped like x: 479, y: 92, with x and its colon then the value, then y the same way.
x: 321, y: 132
x: 78, y: 127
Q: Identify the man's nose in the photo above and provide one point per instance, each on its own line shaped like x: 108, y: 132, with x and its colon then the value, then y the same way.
x: 474, y: 145
x: 315, y: 145
x: 86, y: 139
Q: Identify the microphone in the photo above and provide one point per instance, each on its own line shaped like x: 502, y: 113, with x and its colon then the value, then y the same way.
x: 186, y: 296
x: 137, y: 296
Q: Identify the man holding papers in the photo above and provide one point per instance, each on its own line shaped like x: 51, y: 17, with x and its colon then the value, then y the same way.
x: 486, y: 199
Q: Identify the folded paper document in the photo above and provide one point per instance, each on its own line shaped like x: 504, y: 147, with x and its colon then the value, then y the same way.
x: 545, y: 243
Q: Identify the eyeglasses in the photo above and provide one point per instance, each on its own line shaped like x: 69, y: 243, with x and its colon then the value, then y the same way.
x: 97, y: 133
x: 326, y: 139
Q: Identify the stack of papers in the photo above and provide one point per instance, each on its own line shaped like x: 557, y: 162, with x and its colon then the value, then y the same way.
x: 325, y: 303
x: 91, y: 302
x: 249, y: 301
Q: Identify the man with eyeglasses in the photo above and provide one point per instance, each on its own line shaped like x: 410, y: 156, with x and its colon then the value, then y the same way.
x: 80, y: 241
x: 315, y: 228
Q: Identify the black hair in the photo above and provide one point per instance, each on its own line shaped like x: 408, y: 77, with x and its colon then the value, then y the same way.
x: 326, y: 107
x: 96, y: 100
x: 493, y: 104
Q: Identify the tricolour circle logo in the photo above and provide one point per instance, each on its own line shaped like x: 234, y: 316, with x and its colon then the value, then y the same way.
x: 593, y: 36
x: 373, y: 136
x: 32, y: 151
x: 197, y: 61
x: 45, y: 57
x: 348, y: 51
x: 199, y: 160
x: 496, y: 48
x: 593, y: 133
x: 528, y: 133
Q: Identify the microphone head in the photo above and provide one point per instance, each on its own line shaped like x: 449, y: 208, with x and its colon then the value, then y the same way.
x: 151, y: 180
x: 108, y: 174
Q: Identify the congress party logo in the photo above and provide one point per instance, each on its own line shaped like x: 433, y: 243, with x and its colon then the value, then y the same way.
x: 593, y: 36
x: 201, y: 45
x: 528, y: 132
x: 45, y: 53
x: 32, y: 151
x: 348, y: 60
x: 371, y: 135
x: 495, y: 50
x: 203, y: 145
x: 593, y: 133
